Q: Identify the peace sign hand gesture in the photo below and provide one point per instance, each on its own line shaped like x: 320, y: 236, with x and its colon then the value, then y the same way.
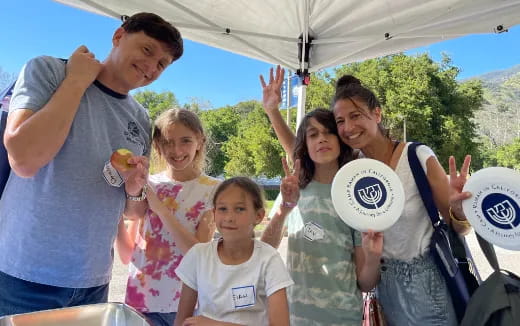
x: 457, y: 182
x: 272, y: 92
x: 290, y: 188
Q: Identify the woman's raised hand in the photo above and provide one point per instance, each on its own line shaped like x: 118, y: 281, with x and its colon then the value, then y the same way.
x: 457, y: 182
x: 272, y: 92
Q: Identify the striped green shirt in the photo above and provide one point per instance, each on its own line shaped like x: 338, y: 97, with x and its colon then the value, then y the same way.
x: 320, y: 261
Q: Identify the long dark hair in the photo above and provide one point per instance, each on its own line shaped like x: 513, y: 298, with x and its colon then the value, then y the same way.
x: 349, y: 88
x: 326, y: 119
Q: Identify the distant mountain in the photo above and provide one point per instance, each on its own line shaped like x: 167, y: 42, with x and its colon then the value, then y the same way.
x: 498, y: 76
x: 499, y: 119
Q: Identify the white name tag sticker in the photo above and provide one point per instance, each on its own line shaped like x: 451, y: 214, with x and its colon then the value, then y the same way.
x: 111, y: 176
x: 313, y: 231
x: 243, y: 296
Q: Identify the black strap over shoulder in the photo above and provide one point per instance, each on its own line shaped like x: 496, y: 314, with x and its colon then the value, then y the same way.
x: 427, y: 196
x: 456, y: 243
x: 5, y: 168
x: 422, y: 184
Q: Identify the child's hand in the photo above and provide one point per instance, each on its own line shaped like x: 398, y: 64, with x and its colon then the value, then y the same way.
x: 136, y: 177
x: 154, y: 203
x: 457, y: 182
x: 272, y: 93
x: 372, y: 244
x: 290, y: 188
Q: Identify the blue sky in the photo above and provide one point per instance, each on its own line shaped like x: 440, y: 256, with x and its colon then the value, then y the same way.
x: 29, y: 28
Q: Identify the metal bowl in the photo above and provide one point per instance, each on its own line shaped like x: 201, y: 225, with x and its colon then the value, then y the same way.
x: 103, y: 314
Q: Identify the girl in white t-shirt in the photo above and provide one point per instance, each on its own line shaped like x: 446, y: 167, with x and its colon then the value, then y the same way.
x: 236, y: 280
x: 179, y: 216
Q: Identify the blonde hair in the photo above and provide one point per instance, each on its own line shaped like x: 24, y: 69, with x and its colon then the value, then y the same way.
x: 188, y: 119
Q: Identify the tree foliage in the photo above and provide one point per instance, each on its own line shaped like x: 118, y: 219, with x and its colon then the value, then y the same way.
x: 197, y: 105
x: 156, y: 103
x: 509, y: 155
x: 319, y: 91
x: 438, y: 110
x: 254, y: 150
x: 500, y: 118
x: 219, y: 125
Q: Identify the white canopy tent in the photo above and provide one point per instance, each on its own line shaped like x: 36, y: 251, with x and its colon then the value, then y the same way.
x: 334, y: 31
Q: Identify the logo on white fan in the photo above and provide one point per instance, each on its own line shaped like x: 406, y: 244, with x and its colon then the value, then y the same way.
x: 501, y: 211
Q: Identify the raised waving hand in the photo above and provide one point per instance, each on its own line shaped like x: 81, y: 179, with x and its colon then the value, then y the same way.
x: 271, y: 98
x: 272, y: 92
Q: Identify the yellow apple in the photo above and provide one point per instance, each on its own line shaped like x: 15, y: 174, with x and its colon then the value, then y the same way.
x: 119, y: 160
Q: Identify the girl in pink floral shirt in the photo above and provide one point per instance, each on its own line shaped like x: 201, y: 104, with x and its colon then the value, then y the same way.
x: 179, y: 216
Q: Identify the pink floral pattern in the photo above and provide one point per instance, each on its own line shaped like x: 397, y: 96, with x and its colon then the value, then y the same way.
x: 153, y: 285
x: 155, y: 222
x: 134, y: 298
x: 194, y: 212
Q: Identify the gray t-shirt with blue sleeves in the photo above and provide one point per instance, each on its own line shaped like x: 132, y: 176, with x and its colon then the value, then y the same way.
x: 58, y: 227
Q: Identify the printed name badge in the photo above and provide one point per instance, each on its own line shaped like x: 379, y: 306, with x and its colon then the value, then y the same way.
x: 112, y: 177
x: 494, y: 207
x: 313, y: 231
x: 243, y: 296
x: 367, y: 194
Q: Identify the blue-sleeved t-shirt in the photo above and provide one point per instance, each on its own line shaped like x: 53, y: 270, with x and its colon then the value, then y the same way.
x: 58, y: 227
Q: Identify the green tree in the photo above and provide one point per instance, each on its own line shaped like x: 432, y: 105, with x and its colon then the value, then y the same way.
x: 437, y: 108
x: 486, y: 156
x: 509, y: 155
x: 319, y: 91
x: 500, y: 118
x: 219, y: 125
x: 197, y: 105
x: 254, y: 150
x: 156, y: 103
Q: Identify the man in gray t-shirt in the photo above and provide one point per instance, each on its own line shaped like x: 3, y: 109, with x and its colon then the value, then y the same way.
x: 61, y: 206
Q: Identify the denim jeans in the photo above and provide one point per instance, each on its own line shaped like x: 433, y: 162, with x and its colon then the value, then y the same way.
x: 18, y: 296
x: 160, y: 318
x: 414, y: 293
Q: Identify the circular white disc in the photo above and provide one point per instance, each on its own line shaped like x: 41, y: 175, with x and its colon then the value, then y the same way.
x: 367, y: 194
x: 494, y: 207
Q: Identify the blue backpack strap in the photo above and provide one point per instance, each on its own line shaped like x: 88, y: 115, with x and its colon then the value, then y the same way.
x: 426, y: 194
x: 422, y: 184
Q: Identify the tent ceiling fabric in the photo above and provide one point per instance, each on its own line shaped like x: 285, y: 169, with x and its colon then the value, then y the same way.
x: 343, y: 31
